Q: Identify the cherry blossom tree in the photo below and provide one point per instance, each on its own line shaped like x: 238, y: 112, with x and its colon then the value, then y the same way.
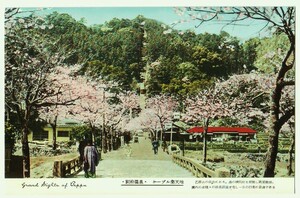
x: 147, y: 120
x: 204, y: 107
x: 89, y: 109
x: 163, y: 107
x: 243, y: 97
x: 71, y: 88
x: 118, y: 112
x: 100, y: 107
x: 133, y: 125
x: 248, y: 95
x: 279, y: 20
x: 28, y: 65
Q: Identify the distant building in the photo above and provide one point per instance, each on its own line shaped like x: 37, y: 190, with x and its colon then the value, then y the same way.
x: 224, y: 133
x: 178, y: 130
x: 63, y: 131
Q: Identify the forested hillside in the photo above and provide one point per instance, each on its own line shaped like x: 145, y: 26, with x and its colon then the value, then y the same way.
x: 180, y: 62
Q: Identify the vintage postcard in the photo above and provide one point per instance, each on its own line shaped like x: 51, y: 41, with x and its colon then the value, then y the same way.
x: 151, y: 98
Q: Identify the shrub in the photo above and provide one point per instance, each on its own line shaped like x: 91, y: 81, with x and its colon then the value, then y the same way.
x: 11, y: 133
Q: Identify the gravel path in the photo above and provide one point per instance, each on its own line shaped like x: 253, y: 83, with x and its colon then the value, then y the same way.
x: 138, y: 161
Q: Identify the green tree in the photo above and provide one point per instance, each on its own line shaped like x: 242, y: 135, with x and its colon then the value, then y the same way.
x: 187, y: 80
x: 71, y: 36
x: 270, y: 53
x: 206, y: 61
x: 228, y: 48
x: 81, y: 133
x: 250, y: 53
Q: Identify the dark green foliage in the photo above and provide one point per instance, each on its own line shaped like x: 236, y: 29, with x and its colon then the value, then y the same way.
x: 11, y: 134
x: 238, y: 147
x: 120, y: 49
x: 81, y: 133
x: 13, y: 126
x: 250, y: 53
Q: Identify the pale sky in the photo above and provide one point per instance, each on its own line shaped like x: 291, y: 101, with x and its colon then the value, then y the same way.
x: 167, y: 15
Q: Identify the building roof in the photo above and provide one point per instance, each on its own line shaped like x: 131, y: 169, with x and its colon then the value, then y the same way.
x: 66, y: 122
x: 181, y: 125
x: 222, y: 130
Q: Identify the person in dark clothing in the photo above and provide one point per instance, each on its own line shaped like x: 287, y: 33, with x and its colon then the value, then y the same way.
x: 155, y: 146
x: 164, y: 146
x: 81, y: 147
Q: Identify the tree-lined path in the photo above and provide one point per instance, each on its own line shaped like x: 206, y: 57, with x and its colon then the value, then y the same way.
x: 141, y: 163
x: 126, y: 75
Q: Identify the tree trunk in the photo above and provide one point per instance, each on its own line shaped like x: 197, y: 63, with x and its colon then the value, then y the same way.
x: 152, y: 135
x: 276, y: 121
x: 291, y: 151
x: 92, y: 133
x: 112, y: 142
x: 112, y: 138
x: 204, y: 146
x: 104, y: 143
x: 54, y: 145
x: 271, y: 154
x: 205, y: 128
x: 100, y: 142
x: 25, y: 146
x: 26, y: 156
x: 274, y: 133
x: 162, y: 133
x: 53, y: 125
x: 108, y: 143
x: 108, y: 138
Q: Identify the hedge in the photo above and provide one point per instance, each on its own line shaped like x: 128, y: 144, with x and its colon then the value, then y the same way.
x: 235, y: 148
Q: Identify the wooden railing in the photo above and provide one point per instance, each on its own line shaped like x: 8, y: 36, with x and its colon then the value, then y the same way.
x: 198, y: 169
x: 64, y: 169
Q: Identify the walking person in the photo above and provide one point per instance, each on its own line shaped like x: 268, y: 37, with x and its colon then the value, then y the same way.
x: 164, y: 146
x: 81, y: 147
x: 91, y: 159
x: 155, y: 146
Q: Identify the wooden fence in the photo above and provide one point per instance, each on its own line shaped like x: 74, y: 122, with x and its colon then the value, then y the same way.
x: 198, y: 169
x: 64, y: 169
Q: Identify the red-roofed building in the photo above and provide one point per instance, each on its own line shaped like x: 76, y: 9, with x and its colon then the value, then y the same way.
x: 225, y: 133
